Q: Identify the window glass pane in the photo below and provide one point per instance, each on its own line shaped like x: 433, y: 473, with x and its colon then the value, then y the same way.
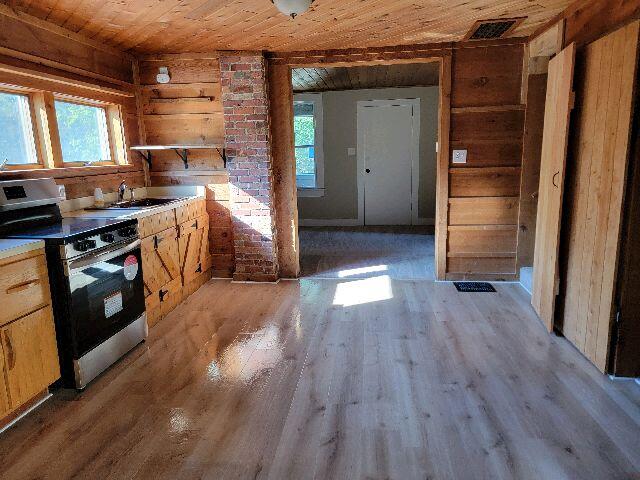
x: 303, y: 128
x: 83, y: 132
x: 17, y: 144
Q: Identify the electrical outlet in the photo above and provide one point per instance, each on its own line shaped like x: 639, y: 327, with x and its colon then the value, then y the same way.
x: 459, y: 156
x: 62, y: 192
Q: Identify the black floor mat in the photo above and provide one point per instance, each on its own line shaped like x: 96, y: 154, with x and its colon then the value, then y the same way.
x: 474, y: 287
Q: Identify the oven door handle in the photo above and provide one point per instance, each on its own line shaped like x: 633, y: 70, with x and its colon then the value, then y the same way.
x: 80, y: 263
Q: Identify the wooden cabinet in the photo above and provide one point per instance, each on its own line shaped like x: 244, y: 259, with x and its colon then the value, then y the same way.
x: 24, y: 286
x: 175, y: 256
x: 4, y: 397
x: 28, y: 350
x: 30, y: 355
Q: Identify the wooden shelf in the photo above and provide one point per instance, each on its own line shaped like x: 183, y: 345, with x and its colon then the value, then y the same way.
x: 181, y: 151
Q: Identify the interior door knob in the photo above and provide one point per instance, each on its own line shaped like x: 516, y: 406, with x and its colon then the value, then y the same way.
x: 367, y: 170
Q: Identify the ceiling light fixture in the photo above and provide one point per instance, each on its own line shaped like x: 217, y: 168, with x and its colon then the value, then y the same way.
x: 293, y: 8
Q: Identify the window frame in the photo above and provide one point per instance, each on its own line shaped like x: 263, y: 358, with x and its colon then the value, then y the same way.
x: 27, y: 92
x: 318, y: 117
x: 110, y: 137
x: 44, y: 124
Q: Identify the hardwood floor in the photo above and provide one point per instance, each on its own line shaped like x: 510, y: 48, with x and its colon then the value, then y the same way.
x: 370, y: 378
x: 403, y: 253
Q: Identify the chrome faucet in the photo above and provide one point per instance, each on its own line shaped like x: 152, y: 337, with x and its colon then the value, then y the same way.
x: 121, y: 190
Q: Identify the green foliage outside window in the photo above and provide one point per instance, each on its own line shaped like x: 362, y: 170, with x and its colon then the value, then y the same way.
x: 304, y: 132
x: 83, y: 132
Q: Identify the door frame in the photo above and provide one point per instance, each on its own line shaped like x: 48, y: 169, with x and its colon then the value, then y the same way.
x: 415, y: 152
x: 281, y: 113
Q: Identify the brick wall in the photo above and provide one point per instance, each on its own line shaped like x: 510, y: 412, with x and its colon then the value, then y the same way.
x: 246, y: 132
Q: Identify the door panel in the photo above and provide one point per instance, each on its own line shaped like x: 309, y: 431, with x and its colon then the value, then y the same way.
x: 600, y: 150
x: 160, y: 259
x: 30, y: 355
x: 387, y: 142
x: 555, y: 135
x: 194, y: 248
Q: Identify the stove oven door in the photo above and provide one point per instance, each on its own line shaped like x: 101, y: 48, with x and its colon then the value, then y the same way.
x: 107, y: 294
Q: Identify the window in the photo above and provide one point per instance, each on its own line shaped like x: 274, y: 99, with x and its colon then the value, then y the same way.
x: 17, y: 142
x: 307, y: 127
x: 84, y: 136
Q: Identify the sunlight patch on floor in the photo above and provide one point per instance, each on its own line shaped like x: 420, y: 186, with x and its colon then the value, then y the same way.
x: 368, y: 290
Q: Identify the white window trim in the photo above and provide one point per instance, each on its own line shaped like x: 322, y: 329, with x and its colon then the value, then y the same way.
x: 316, y: 99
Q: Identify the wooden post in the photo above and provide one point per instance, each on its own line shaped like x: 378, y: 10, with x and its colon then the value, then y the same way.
x: 284, y: 169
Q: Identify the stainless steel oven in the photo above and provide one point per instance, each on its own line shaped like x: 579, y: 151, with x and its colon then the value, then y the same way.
x: 104, y: 306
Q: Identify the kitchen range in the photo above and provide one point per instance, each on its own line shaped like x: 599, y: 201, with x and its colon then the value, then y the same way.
x: 95, y: 274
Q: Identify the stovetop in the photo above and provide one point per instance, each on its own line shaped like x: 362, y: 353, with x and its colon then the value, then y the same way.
x: 70, y: 229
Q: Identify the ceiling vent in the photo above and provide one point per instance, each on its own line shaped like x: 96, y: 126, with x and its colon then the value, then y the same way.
x: 492, y: 29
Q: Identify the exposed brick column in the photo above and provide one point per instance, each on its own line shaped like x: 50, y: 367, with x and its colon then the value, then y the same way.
x: 246, y: 133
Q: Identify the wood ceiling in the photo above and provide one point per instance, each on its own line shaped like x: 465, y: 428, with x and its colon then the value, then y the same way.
x: 174, y: 26
x: 376, y: 76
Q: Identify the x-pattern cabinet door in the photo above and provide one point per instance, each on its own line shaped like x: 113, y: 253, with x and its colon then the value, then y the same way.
x: 160, y: 260
x: 194, y: 247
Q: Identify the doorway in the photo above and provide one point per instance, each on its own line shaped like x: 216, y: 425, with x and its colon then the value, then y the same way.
x: 388, y: 157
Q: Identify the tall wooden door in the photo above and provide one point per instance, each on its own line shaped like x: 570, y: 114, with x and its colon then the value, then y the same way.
x: 600, y: 150
x: 558, y: 105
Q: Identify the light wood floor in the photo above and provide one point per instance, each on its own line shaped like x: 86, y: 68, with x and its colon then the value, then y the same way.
x: 403, y: 253
x: 339, y: 379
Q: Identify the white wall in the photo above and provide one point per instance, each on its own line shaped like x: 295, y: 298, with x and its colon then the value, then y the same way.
x: 340, y: 133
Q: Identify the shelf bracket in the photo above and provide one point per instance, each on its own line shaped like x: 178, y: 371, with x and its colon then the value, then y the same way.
x: 223, y: 155
x: 147, y: 156
x: 182, y: 153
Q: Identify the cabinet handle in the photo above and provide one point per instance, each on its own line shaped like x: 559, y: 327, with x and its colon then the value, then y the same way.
x: 162, y: 294
x: 11, y: 356
x: 156, y: 241
x: 199, y: 269
x: 23, y: 286
x: 195, y: 224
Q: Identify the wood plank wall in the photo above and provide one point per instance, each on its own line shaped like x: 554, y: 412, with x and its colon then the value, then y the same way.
x: 188, y: 110
x: 40, y: 55
x: 487, y: 119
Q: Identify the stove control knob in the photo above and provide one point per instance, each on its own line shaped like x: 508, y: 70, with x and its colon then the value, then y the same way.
x: 84, y: 245
x: 127, y: 231
x: 107, y: 237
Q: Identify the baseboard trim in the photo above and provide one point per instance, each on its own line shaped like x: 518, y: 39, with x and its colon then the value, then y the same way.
x: 350, y: 222
x: 329, y: 222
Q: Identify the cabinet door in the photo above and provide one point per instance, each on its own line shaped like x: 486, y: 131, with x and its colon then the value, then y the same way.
x: 30, y: 355
x: 194, y: 248
x: 160, y: 260
x: 555, y: 136
x: 4, y: 398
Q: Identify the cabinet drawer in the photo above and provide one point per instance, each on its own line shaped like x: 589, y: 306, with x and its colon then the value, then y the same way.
x: 156, y: 223
x: 194, y: 224
x: 24, y: 287
x: 190, y: 211
x: 30, y: 355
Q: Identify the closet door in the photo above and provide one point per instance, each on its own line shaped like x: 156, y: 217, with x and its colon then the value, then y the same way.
x: 558, y: 105
x: 600, y: 149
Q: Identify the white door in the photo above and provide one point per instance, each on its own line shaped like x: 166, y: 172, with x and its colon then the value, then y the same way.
x: 387, y: 145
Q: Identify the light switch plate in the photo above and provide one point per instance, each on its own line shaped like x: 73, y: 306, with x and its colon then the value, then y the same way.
x: 351, y: 152
x: 459, y: 156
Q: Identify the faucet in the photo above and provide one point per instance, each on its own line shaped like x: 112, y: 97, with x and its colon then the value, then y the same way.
x: 121, y: 190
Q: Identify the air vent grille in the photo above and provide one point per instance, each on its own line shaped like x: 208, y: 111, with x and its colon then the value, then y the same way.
x: 492, y: 29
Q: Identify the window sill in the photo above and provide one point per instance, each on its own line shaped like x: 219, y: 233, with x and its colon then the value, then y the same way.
x: 311, y: 192
x: 64, y: 172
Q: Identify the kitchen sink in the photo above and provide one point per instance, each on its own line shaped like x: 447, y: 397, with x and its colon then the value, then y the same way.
x: 142, y: 203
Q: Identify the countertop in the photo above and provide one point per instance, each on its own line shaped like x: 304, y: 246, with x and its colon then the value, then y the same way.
x: 15, y: 246
x: 132, y: 212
